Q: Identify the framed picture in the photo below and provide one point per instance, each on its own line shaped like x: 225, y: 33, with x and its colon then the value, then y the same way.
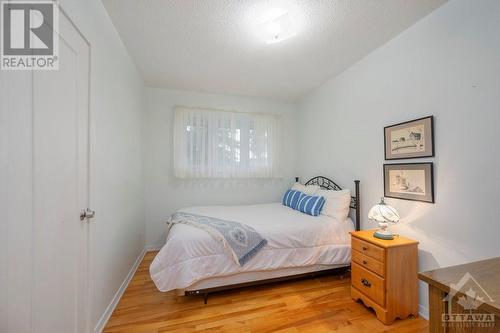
x: 411, y: 139
x: 409, y: 181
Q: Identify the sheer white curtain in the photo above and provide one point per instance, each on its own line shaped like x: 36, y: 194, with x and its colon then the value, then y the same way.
x: 224, y: 144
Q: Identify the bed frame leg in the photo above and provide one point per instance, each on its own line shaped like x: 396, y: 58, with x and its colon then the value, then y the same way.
x: 205, y: 298
x: 343, y: 273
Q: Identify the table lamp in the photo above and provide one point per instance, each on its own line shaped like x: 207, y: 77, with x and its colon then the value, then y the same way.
x: 383, y: 214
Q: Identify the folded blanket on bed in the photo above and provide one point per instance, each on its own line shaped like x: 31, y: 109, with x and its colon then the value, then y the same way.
x: 242, y: 241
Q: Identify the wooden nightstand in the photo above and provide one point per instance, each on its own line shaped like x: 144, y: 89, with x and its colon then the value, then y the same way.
x: 384, y: 275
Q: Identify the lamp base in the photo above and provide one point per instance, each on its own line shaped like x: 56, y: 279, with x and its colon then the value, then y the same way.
x: 387, y: 235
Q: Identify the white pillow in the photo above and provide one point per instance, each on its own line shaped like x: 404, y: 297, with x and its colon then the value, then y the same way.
x: 307, y: 190
x: 336, y: 203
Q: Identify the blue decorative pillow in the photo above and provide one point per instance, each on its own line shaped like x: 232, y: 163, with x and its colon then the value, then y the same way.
x: 311, y: 205
x: 291, y: 198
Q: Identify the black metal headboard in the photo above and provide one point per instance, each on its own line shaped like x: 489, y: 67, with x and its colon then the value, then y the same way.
x: 329, y: 184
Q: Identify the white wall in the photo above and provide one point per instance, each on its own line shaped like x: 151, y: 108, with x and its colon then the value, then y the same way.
x: 116, y: 174
x: 165, y: 193
x: 446, y: 65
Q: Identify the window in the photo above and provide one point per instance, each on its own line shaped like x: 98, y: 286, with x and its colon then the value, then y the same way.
x: 223, y: 144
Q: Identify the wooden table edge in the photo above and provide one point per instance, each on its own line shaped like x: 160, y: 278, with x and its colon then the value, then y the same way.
x: 443, y: 287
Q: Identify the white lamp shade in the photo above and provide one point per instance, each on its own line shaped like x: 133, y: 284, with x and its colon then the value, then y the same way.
x: 382, y: 212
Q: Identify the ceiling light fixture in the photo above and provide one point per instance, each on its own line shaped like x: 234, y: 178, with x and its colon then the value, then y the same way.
x: 275, y: 21
x: 278, y: 27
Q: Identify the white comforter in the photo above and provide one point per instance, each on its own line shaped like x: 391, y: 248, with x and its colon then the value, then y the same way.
x: 294, y: 239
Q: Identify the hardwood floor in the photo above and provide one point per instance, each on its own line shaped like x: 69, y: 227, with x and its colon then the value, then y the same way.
x: 321, y: 304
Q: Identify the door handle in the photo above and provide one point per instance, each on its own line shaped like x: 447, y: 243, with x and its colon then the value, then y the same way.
x: 87, y: 214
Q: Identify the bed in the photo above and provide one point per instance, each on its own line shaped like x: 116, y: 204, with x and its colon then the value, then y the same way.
x: 193, y: 263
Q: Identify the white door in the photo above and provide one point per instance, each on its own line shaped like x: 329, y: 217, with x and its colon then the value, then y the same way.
x: 53, y: 277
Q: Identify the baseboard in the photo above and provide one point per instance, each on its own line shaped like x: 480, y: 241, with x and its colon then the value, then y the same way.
x: 423, y: 311
x: 114, y: 302
x: 154, y: 247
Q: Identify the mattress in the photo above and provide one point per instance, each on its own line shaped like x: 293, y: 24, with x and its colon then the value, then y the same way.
x: 295, y: 240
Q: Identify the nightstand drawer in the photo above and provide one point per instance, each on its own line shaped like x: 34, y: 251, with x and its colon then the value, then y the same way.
x: 368, y: 263
x: 368, y: 283
x: 368, y: 249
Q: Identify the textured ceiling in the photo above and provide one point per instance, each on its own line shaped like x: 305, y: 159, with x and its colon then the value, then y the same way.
x: 211, y: 45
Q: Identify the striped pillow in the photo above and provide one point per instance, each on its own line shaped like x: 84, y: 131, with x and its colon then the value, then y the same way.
x: 311, y: 205
x: 291, y: 198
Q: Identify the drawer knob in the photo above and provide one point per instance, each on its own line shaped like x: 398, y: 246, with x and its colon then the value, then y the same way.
x: 365, y: 262
x: 365, y: 248
x: 366, y: 283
